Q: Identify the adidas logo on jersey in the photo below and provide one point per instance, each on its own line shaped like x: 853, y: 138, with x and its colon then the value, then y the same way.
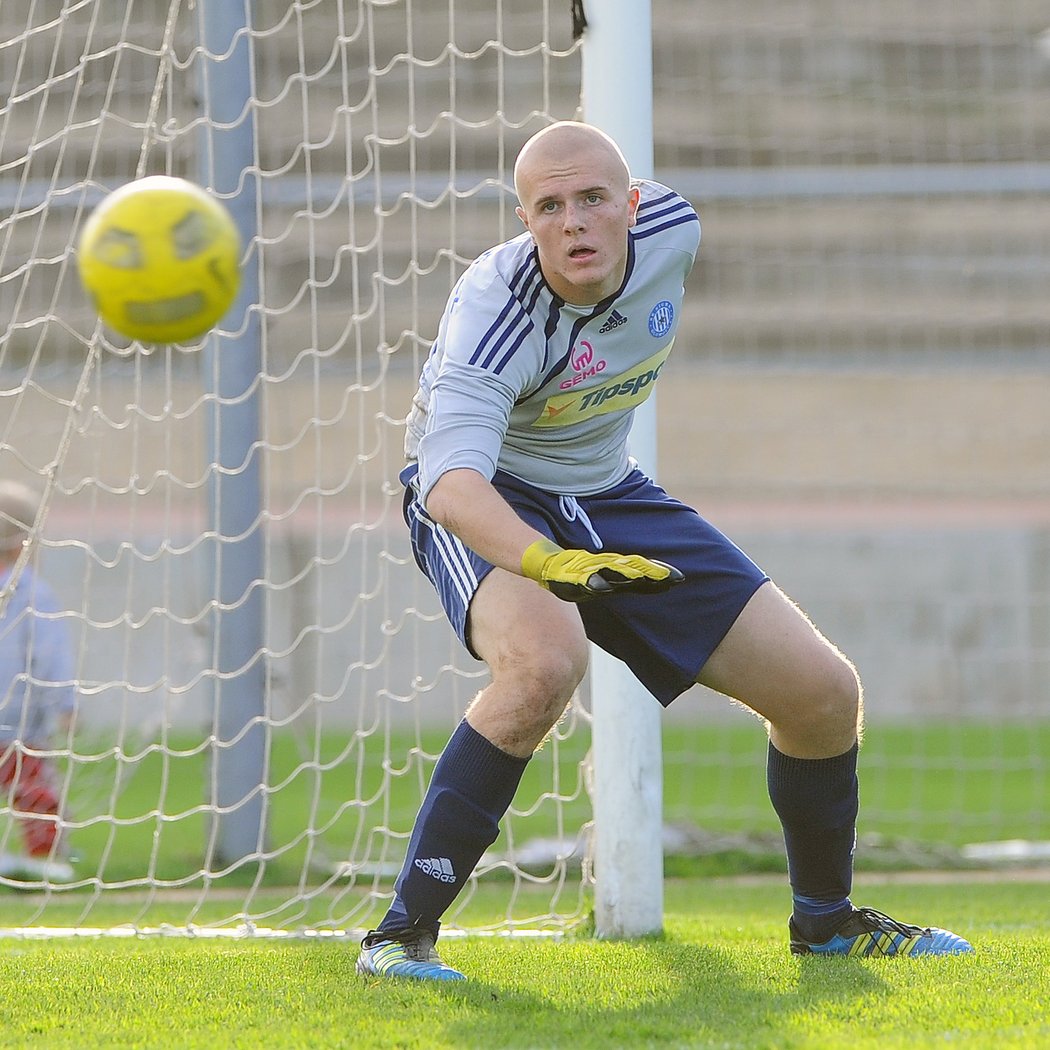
x: 439, y: 868
x: 614, y: 320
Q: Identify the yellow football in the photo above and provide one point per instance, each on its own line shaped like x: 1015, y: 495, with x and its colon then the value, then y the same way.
x: 160, y: 258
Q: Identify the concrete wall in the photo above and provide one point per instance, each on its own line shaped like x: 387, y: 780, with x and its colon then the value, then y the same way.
x: 909, y: 515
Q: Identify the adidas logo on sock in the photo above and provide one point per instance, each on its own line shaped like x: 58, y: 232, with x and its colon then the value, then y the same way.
x: 439, y: 868
x: 614, y: 320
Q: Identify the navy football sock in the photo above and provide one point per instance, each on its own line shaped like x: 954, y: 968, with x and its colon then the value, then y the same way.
x: 817, y: 801
x: 471, y: 788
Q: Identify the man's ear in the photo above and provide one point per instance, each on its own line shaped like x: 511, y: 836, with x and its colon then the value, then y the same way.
x: 634, y: 195
x: 520, y: 212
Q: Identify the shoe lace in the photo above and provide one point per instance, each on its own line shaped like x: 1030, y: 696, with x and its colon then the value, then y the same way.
x: 878, y: 920
x: 418, y: 944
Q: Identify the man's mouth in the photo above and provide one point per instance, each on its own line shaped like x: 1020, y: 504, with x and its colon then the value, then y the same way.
x: 581, y: 253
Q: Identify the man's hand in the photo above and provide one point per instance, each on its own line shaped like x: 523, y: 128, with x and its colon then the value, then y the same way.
x: 579, y: 576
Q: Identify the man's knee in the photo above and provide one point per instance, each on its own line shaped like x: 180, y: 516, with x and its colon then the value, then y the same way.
x: 540, y: 657
x: 527, y: 696
x: 546, y: 682
x: 849, y: 698
x: 836, y: 705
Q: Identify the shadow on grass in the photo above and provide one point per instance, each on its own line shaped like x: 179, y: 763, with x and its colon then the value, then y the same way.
x: 650, y: 992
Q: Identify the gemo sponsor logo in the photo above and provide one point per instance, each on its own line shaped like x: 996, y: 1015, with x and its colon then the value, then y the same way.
x: 626, y: 388
x: 617, y: 393
x: 585, y: 367
x: 581, y: 355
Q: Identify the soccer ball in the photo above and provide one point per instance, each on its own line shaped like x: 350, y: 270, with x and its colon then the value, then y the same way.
x: 159, y: 258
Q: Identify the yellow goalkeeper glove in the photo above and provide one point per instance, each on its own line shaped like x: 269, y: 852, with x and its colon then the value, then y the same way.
x: 578, y: 576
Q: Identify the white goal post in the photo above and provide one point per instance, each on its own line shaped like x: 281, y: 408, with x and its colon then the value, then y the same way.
x: 627, y: 759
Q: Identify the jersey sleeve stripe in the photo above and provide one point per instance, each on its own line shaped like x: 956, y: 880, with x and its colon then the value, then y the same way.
x: 493, y: 329
x: 648, y: 215
x: 516, y: 329
x: 501, y: 363
x: 512, y: 317
x: 670, y: 195
x: 650, y: 230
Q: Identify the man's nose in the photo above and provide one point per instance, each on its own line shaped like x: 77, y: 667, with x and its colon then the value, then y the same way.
x: 574, y: 219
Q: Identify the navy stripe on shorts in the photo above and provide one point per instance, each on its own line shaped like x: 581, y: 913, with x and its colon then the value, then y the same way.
x: 664, y: 638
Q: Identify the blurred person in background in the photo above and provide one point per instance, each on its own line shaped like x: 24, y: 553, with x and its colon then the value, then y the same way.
x: 37, y: 698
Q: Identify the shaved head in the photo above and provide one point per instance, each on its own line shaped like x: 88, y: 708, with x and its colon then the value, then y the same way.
x: 562, y: 143
x: 577, y: 202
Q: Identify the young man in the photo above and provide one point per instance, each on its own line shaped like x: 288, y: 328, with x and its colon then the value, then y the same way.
x: 520, y: 487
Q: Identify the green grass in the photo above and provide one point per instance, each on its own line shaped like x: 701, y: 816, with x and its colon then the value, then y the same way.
x: 721, y: 976
x: 942, y: 782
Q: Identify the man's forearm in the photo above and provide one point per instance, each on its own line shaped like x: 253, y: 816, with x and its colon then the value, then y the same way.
x: 465, y: 503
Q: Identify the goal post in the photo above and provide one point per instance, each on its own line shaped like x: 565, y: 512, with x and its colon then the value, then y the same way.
x: 232, y: 364
x: 628, y: 773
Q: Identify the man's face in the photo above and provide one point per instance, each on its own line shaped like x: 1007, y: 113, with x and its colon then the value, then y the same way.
x: 577, y: 203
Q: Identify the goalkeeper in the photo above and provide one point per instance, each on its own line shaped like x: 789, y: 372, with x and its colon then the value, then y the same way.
x: 540, y: 534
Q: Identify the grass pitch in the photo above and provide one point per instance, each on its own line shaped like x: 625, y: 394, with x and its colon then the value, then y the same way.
x: 720, y: 976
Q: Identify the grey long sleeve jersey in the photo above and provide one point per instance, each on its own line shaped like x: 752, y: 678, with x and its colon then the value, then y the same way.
x: 519, y: 380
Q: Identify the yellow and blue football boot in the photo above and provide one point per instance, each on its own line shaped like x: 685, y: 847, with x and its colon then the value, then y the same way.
x: 403, y: 953
x: 868, y: 933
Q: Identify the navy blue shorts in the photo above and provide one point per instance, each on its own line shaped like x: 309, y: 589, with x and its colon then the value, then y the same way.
x: 664, y: 638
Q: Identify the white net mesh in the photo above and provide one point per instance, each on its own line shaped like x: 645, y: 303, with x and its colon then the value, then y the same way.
x: 379, y: 137
x: 863, y: 387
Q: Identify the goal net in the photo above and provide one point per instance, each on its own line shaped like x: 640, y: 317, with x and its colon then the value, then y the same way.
x: 862, y: 405
x: 263, y: 678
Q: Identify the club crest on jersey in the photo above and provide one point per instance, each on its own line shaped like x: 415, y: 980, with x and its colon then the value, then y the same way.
x: 661, y: 319
x: 583, y: 364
